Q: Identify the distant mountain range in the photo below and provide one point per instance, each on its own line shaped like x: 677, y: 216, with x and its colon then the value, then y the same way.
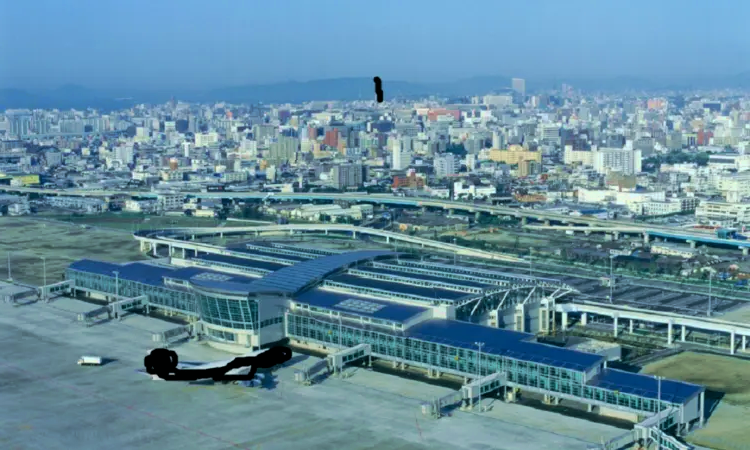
x: 79, y: 97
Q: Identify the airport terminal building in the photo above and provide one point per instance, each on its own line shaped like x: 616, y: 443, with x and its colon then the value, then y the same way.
x: 464, y: 321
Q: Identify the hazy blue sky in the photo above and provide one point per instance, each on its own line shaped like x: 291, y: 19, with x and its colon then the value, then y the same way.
x: 215, y: 43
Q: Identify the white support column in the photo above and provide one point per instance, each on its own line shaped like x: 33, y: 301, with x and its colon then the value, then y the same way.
x: 616, y: 324
x: 584, y: 318
x: 669, y: 333
x: 155, y: 248
x: 631, y: 326
x: 732, y: 342
x: 564, y: 320
x: 702, y: 408
x: 682, y: 336
x: 744, y: 343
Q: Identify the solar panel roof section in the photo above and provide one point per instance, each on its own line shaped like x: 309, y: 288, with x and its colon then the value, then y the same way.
x: 291, y: 279
x: 501, y: 342
x: 138, y: 272
x: 474, y: 284
x: 396, y: 286
x: 359, y: 305
x: 254, y: 263
x: 645, y: 386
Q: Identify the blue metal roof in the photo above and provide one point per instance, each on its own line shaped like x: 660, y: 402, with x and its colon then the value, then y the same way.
x: 395, y: 286
x: 139, y: 272
x: 291, y: 279
x: 497, y: 341
x: 645, y: 386
x: 244, y: 262
x: 377, y: 309
x: 459, y: 283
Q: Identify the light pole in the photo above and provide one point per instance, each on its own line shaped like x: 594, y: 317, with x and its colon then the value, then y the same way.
x: 10, y: 277
x: 658, y: 416
x: 455, y: 253
x: 479, y: 371
x: 531, y: 263
x: 710, y: 283
x: 44, y: 268
x: 611, y: 277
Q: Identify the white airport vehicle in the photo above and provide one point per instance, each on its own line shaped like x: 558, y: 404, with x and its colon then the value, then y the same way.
x: 90, y: 361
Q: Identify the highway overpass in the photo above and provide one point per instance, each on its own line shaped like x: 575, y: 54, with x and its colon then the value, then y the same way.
x: 151, y: 240
x: 547, y: 217
x: 737, y: 332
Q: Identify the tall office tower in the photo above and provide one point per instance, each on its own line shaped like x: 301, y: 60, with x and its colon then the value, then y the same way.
x: 283, y: 150
x: 402, y: 153
x: 446, y: 164
x: 498, y: 140
x: 19, y: 122
x: 519, y: 85
x: 263, y: 132
x: 348, y: 175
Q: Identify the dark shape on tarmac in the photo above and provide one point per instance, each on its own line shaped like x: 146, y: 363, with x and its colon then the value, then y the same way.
x: 163, y: 363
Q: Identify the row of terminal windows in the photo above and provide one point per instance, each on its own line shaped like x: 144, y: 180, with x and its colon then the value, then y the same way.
x: 224, y: 336
x: 273, y: 321
x: 524, y: 373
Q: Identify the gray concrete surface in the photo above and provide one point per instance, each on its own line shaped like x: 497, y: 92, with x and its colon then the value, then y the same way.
x: 48, y: 402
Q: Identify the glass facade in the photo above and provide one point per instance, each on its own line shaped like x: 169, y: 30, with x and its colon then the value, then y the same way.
x: 175, y: 299
x: 450, y: 359
x: 240, y: 314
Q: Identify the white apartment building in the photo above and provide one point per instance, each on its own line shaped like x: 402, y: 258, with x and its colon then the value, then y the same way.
x: 734, y: 187
x: 463, y: 190
x: 583, y: 157
x: 141, y: 206
x: 446, y: 164
x: 89, y: 205
x: 206, y: 139
x: 624, y: 160
x: 724, y: 213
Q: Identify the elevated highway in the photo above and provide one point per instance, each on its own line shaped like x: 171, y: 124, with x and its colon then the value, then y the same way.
x: 385, y: 199
x: 736, y: 331
x: 150, y: 240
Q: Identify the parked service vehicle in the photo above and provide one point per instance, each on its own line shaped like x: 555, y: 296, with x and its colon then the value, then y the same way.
x: 90, y: 361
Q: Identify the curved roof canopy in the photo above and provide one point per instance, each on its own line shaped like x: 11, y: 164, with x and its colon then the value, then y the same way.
x: 292, y: 279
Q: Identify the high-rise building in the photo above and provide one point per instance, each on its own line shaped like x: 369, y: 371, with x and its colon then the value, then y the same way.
x: 446, y: 164
x: 283, y: 150
x: 624, y: 160
x: 519, y: 85
x: 402, y: 153
x: 348, y: 175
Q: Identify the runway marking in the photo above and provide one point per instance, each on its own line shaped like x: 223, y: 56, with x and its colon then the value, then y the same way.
x: 51, y: 380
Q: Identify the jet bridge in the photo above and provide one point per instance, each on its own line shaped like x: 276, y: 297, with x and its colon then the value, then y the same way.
x: 116, y: 308
x: 647, y: 431
x: 88, y: 318
x: 465, y: 395
x: 334, y: 363
x: 337, y: 360
x: 165, y: 337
